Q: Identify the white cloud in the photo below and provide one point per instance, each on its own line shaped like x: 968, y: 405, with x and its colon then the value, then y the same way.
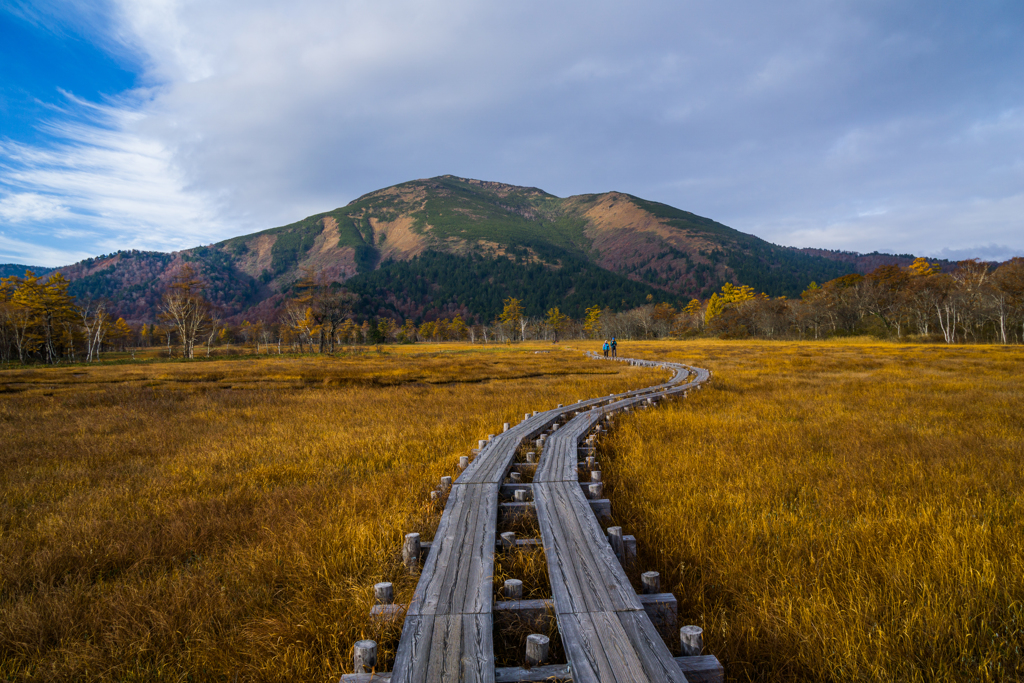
x: 798, y: 122
x: 29, y: 206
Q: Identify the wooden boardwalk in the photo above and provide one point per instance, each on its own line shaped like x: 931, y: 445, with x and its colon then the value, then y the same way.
x: 605, y: 631
x: 448, y: 630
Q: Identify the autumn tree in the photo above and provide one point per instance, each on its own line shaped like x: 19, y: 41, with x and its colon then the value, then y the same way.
x: 51, y: 314
x: 328, y: 305
x: 513, y: 315
x: 592, y: 321
x: 184, y: 307
x: 556, y: 320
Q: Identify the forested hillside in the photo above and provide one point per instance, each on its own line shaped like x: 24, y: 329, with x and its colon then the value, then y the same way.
x: 430, y: 247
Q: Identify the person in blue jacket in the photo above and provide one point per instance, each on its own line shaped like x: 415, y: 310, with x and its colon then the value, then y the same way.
x: 615, y: 345
x: 606, y: 347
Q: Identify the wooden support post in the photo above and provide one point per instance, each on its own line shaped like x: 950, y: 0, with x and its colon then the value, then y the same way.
x: 464, y: 462
x: 481, y: 443
x: 434, y: 495
x: 364, y: 656
x: 531, y: 457
x: 384, y: 593
x: 515, y: 477
x: 692, y: 640
x: 596, y: 490
x: 508, y: 540
x: 595, y: 475
x: 615, y: 538
x: 522, y: 496
x: 504, y: 426
x: 651, y: 582
x: 411, y: 552
x: 591, y: 463
x: 513, y: 589
x: 537, y: 649
x: 446, y: 483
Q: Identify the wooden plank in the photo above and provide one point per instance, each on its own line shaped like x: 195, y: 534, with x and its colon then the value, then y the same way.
x: 598, y: 649
x: 538, y: 674
x: 447, y: 541
x: 701, y: 669
x: 585, y: 546
x: 446, y: 648
x: 655, y: 658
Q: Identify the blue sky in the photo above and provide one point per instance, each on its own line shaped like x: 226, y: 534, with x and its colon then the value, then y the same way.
x: 893, y: 125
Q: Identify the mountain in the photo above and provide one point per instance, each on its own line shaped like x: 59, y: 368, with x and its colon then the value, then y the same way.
x: 865, y: 263
x: 9, y: 269
x: 443, y: 245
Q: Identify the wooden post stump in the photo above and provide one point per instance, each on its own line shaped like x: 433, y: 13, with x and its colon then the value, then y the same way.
x: 508, y: 540
x: 481, y: 443
x: 515, y: 477
x: 531, y: 457
x: 596, y: 490
x: 446, y: 483
x: 595, y: 475
x: 364, y: 656
x: 514, y: 589
x: 464, y: 462
x: 522, y: 496
x: 411, y: 552
x: 504, y: 426
x: 692, y: 640
x: 615, y: 539
x: 434, y: 495
x: 384, y: 593
x: 651, y: 582
x: 537, y: 649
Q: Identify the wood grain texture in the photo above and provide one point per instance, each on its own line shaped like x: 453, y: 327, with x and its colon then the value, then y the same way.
x: 446, y: 648
x: 448, y: 628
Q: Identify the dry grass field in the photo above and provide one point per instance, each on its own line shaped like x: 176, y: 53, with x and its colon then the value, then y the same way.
x: 837, y: 511
x: 226, y: 520
x: 826, y: 511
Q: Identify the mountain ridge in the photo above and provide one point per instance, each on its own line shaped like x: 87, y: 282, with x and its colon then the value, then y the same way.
x: 405, y: 249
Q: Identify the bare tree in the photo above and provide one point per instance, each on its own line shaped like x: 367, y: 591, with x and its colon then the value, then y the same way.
x: 185, y: 308
x: 94, y: 327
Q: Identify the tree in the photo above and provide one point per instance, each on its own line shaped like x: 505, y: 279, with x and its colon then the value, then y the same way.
x: 556, y: 320
x: 512, y: 314
x: 592, y: 322
x: 1009, y: 279
x: 185, y: 308
x: 328, y: 305
x: 94, y: 326
x: 52, y: 314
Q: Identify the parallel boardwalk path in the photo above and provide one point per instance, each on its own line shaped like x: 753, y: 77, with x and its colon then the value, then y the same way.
x: 605, y: 631
x: 607, y: 636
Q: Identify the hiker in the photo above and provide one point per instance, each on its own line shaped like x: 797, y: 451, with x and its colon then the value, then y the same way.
x: 606, y: 347
x: 615, y: 345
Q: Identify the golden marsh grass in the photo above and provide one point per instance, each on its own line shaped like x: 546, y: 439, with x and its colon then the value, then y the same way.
x: 226, y: 520
x: 836, y: 511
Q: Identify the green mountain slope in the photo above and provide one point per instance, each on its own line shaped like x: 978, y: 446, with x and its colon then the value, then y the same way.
x: 448, y: 243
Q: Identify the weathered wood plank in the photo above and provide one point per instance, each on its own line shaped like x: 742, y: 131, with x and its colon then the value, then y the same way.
x: 657, y: 661
x: 446, y: 648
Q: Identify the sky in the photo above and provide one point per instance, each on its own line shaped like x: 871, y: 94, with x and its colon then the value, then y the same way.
x: 860, y: 125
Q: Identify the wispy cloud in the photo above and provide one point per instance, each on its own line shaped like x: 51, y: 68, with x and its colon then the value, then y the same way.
x: 843, y: 125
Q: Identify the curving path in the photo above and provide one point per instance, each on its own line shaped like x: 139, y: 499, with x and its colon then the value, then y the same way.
x: 448, y: 629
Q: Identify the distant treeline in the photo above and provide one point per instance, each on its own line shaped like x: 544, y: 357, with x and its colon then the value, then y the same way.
x: 41, y: 321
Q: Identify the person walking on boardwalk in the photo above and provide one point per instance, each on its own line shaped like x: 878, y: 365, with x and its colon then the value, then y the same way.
x: 615, y: 345
x: 605, y: 347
